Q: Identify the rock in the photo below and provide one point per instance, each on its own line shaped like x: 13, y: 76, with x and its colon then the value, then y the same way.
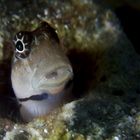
x: 107, y: 74
x: 118, y: 3
x: 5, y: 125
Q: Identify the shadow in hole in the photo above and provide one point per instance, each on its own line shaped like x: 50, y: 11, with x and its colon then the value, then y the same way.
x: 8, y: 104
x: 130, y: 23
x: 9, y: 108
x: 5, y: 71
x: 84, y: 65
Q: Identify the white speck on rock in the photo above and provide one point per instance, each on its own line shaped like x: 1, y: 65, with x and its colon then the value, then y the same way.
x: 15, y: 17
x: 15, y: 126
x: 1, y: 41
x: 116, y: 138
x: 21, y: 131
x: 1, y: 45
x: 46, y: 131
x: 130, y: 119
x: 89, y: 138
x: 45, y: 12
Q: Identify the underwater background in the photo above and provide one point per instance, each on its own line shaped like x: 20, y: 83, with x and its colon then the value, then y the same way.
x: 102, y: 43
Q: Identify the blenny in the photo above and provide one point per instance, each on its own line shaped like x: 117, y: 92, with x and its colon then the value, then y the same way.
x: 40, y: 71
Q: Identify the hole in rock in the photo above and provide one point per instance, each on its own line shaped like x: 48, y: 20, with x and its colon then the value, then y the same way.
x: 118, y: 92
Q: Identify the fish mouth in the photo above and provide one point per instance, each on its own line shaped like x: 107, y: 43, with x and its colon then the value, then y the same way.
x: 57, y: 79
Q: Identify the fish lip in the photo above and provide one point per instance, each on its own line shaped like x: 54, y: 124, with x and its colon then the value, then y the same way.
x: 38, y: 97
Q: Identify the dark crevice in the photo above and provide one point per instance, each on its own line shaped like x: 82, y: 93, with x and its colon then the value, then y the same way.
x: 129, y: 19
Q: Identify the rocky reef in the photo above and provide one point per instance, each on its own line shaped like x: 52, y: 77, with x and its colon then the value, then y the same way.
x: 106, y: 67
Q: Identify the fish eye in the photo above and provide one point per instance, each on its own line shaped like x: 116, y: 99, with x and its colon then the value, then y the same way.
x: 19, y: 41
x: 22, y: 42
x: 20, y: 46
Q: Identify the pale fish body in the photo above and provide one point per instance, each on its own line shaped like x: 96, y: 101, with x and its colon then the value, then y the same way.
x: 40, y: 72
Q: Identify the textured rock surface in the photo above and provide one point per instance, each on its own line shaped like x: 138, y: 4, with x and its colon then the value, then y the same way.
x: 107, y: 72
